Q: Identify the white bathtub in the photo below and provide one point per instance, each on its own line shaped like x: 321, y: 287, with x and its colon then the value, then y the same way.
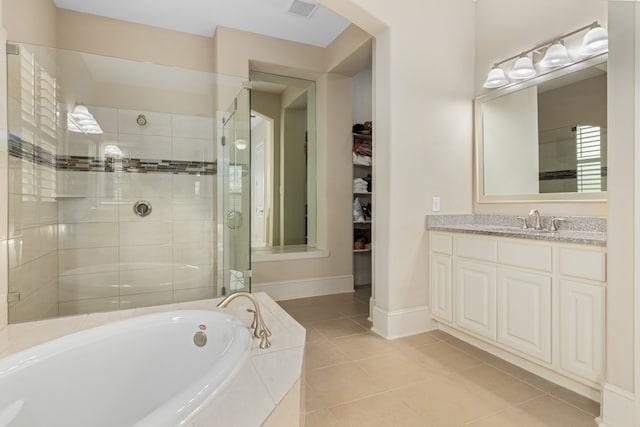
x: 145, y: 372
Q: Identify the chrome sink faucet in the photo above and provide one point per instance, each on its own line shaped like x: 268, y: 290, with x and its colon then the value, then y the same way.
x: 538, y: 225
x: 260, y: 330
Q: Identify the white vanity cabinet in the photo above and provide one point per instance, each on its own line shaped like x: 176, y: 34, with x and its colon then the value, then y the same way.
x: 540, y: 301
x: 440, y: 266
x: 582, y: 305
x: 475, y: 297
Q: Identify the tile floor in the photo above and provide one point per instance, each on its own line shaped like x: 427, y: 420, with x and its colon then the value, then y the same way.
x: 356, y: 378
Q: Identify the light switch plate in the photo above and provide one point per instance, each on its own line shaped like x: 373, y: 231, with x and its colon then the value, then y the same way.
x: 435, y: 204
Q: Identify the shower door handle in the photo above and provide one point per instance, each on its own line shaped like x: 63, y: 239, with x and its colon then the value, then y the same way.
x: 234, y: 220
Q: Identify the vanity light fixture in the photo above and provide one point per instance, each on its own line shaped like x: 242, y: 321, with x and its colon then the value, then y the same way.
x: 595, y: 42
x: 556, y: 56
x: 496, y: 78
x: 82, y: 121
x: 523, y: 68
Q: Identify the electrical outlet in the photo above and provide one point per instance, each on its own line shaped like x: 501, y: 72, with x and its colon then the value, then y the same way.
x: 435, y: 204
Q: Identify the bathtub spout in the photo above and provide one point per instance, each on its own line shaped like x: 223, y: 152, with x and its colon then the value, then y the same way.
x: 260, y: 329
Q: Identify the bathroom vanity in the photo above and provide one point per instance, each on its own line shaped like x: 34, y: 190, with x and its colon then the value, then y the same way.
x: 534, y: 298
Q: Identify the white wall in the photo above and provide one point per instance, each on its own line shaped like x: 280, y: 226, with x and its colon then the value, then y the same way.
x: 622, y: 243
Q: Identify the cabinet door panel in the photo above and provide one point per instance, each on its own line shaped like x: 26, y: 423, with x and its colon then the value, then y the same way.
x: 476, y: 298
x: 441, y: 288
x: 582, y: 329
x: 524, y: 312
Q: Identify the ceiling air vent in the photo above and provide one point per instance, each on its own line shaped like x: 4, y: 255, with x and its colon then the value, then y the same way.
x: 303, y: 8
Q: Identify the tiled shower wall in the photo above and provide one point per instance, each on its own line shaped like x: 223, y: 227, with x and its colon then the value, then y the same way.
x: 110, y: 258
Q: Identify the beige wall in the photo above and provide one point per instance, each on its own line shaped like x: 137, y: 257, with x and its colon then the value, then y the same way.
x: 30, y: 21
x: 238, y: 52
x: 236, y: 48
x: 111, y: 37
x: 422, y: 137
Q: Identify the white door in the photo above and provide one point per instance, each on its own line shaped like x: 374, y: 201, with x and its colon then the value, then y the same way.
x: 524, y: 312
x: 441, y: 288
x: 476, y: 298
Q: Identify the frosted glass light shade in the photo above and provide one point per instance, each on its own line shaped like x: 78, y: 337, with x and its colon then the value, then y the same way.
x: 522, y: 69
x: 82, y: 121
x: 556, y: 56
x: 496, y: 78
x: 595, y: 41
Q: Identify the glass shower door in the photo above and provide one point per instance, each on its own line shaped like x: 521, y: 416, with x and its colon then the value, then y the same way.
x: 234, y: 173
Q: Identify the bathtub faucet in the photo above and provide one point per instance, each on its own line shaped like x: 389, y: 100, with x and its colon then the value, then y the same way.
x: 260, y: 330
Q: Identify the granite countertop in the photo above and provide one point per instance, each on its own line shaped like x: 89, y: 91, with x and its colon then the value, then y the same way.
x: 579, y: 230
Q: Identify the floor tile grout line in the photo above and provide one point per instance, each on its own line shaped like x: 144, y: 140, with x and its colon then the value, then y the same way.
x: 543, y: 391
x: 550, y: 394
x: 504, y: 409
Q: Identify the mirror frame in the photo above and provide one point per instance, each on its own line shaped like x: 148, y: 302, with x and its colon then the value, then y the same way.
x: 479, y: 143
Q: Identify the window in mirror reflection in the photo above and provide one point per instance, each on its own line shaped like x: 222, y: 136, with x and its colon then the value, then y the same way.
x: 572, y: 119
x: 283, y: 155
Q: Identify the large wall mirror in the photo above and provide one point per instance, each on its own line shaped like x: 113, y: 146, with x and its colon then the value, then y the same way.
x: 283, y: 151
x: 545, y: 139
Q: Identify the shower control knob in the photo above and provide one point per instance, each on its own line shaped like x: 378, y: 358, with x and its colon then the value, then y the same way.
x: 142, y: 208
x: 141, y: 120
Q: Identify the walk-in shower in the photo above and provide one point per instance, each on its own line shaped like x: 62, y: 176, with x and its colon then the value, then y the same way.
x: 128, y: 183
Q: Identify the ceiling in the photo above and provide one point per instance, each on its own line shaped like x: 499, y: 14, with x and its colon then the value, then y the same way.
x: 267, y: 17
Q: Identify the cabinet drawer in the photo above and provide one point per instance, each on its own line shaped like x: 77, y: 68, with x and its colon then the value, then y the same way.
x: 477, y: 248
x: 442, y: 244
x: 583, y: 263
x: 535, y: 257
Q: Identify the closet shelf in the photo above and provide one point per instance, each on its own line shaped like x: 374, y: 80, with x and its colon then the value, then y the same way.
x: 361, y: 251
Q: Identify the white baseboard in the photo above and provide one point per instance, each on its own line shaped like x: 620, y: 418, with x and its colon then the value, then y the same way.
x: 533, y: 367
x: 402, y: 323
x: 303, y: 288
x: 617, y: 407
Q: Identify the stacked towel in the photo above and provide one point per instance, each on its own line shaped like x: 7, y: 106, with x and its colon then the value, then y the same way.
x: 360, y: 185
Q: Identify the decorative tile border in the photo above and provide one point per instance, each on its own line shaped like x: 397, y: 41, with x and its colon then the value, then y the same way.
x: 564, y: 174
x: 33, y: 154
